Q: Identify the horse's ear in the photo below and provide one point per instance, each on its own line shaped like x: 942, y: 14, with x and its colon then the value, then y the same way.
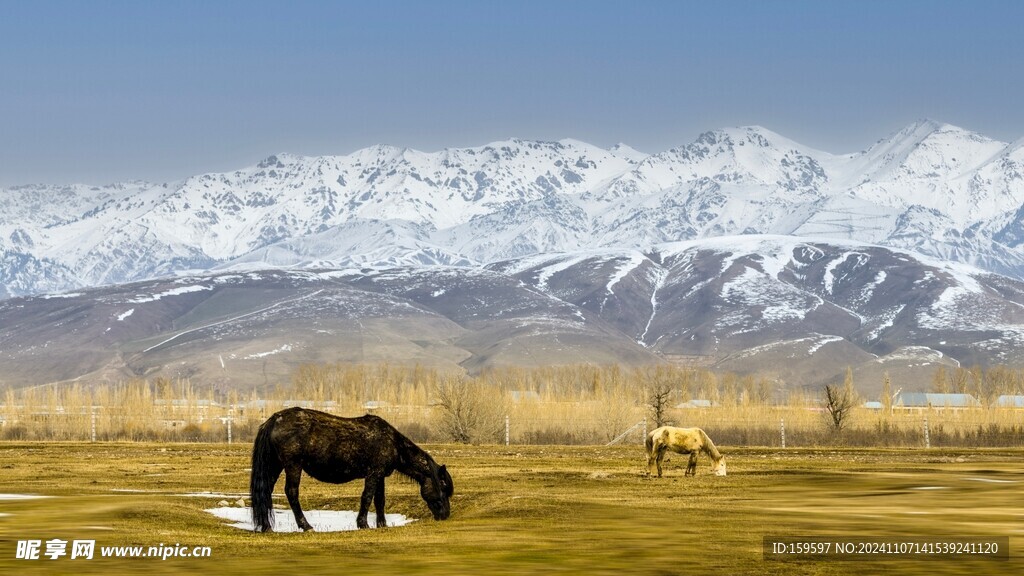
x: 446, y: 481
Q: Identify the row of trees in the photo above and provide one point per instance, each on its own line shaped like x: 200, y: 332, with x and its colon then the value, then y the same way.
x: 985, y: 384
x: 554, y: 404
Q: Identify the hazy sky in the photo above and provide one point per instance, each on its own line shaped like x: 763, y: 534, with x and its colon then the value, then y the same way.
x: 102, y: 91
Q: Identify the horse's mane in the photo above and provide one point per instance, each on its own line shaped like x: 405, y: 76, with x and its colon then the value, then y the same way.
x: 412, y: 458
x: 709, y: 447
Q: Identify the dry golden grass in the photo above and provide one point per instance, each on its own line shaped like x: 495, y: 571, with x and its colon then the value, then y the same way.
x: 525, y: 510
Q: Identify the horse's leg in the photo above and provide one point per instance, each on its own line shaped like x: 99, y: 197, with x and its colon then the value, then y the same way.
x: 378, y: 504
x: 660, y: 457
x: 292, y: 474
x: 691, y: 466
x: 369, y: 491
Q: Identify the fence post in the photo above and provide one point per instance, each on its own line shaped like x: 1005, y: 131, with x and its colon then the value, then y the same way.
x: 782, y: 430
x: 506, y: 430
x: 231, y: 412
x: 93, y: 421
x: 927, y: 440
x: 644, y: 438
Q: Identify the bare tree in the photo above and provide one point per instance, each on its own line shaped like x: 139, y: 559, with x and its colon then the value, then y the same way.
x: 467, y: 411
x: 886, y: 396
x: 659, y: 399
x: 839, y: 404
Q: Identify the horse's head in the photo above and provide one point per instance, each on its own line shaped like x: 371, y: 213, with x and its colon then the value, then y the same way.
x: 720, y: 467
x: 437, y: 490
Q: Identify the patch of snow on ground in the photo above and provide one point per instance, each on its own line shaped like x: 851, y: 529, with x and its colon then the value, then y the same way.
x: 547, y: 272
x: 346, y: 273
x: 869, y: 289
x: 171, y: 292
x: 885, y: 321
x: 822, y: 342
x: 226, y: 279
x: 121, y: 317
x: 830, y: 269
x: 962, y: 308
x: 284, y: 348
x: 322, y: 520
x: 22, y: 496
x: 623, y: 270
x: 915, y: 356
x: 775, y: 257
x: 779, y: 302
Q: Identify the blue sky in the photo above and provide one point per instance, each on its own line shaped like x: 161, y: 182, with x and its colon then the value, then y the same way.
x: 102, y: 91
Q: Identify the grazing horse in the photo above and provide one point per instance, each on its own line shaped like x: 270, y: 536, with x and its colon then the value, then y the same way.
x: 336, y: 450
x: 683, y: 441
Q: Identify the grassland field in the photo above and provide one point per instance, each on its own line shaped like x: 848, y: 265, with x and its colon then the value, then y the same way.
x: 521, y: 510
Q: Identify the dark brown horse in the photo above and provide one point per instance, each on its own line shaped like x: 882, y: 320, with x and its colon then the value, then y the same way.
x: 337, y: 450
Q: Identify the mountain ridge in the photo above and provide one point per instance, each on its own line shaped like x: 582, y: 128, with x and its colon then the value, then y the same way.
x: 798, y: 311
x: 933, y: 188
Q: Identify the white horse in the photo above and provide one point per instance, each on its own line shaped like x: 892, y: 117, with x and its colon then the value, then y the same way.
x: 682, y: 441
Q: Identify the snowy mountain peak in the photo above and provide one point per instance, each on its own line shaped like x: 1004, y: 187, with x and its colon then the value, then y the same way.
x: 627, y: 152
x: 931, y: 187
x: 280, y: 160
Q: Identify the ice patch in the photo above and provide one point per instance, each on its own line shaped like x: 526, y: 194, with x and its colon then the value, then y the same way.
x: 993, y: 480
x: 222, y: 495
x: 22, y: 496
x: 322, y: 520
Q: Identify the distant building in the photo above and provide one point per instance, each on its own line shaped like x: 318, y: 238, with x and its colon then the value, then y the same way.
x: 520, y: 395
x: 697, y: 403
x: 185, y: 403
x: 375, y: 405
x: 925, y: 400
x: 1010, y: 401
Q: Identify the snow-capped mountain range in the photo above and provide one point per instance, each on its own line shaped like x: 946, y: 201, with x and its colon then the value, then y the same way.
x: 932, y: 188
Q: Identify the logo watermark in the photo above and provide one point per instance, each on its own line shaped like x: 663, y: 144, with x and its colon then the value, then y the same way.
x: 86, y: 550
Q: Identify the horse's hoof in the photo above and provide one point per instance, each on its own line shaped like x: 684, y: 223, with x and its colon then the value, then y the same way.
x: 307, y: 529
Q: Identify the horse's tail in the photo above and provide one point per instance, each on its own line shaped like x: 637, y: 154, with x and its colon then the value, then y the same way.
x: 649, y: 444
x: 709, y: 446
x: 265, y: 470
